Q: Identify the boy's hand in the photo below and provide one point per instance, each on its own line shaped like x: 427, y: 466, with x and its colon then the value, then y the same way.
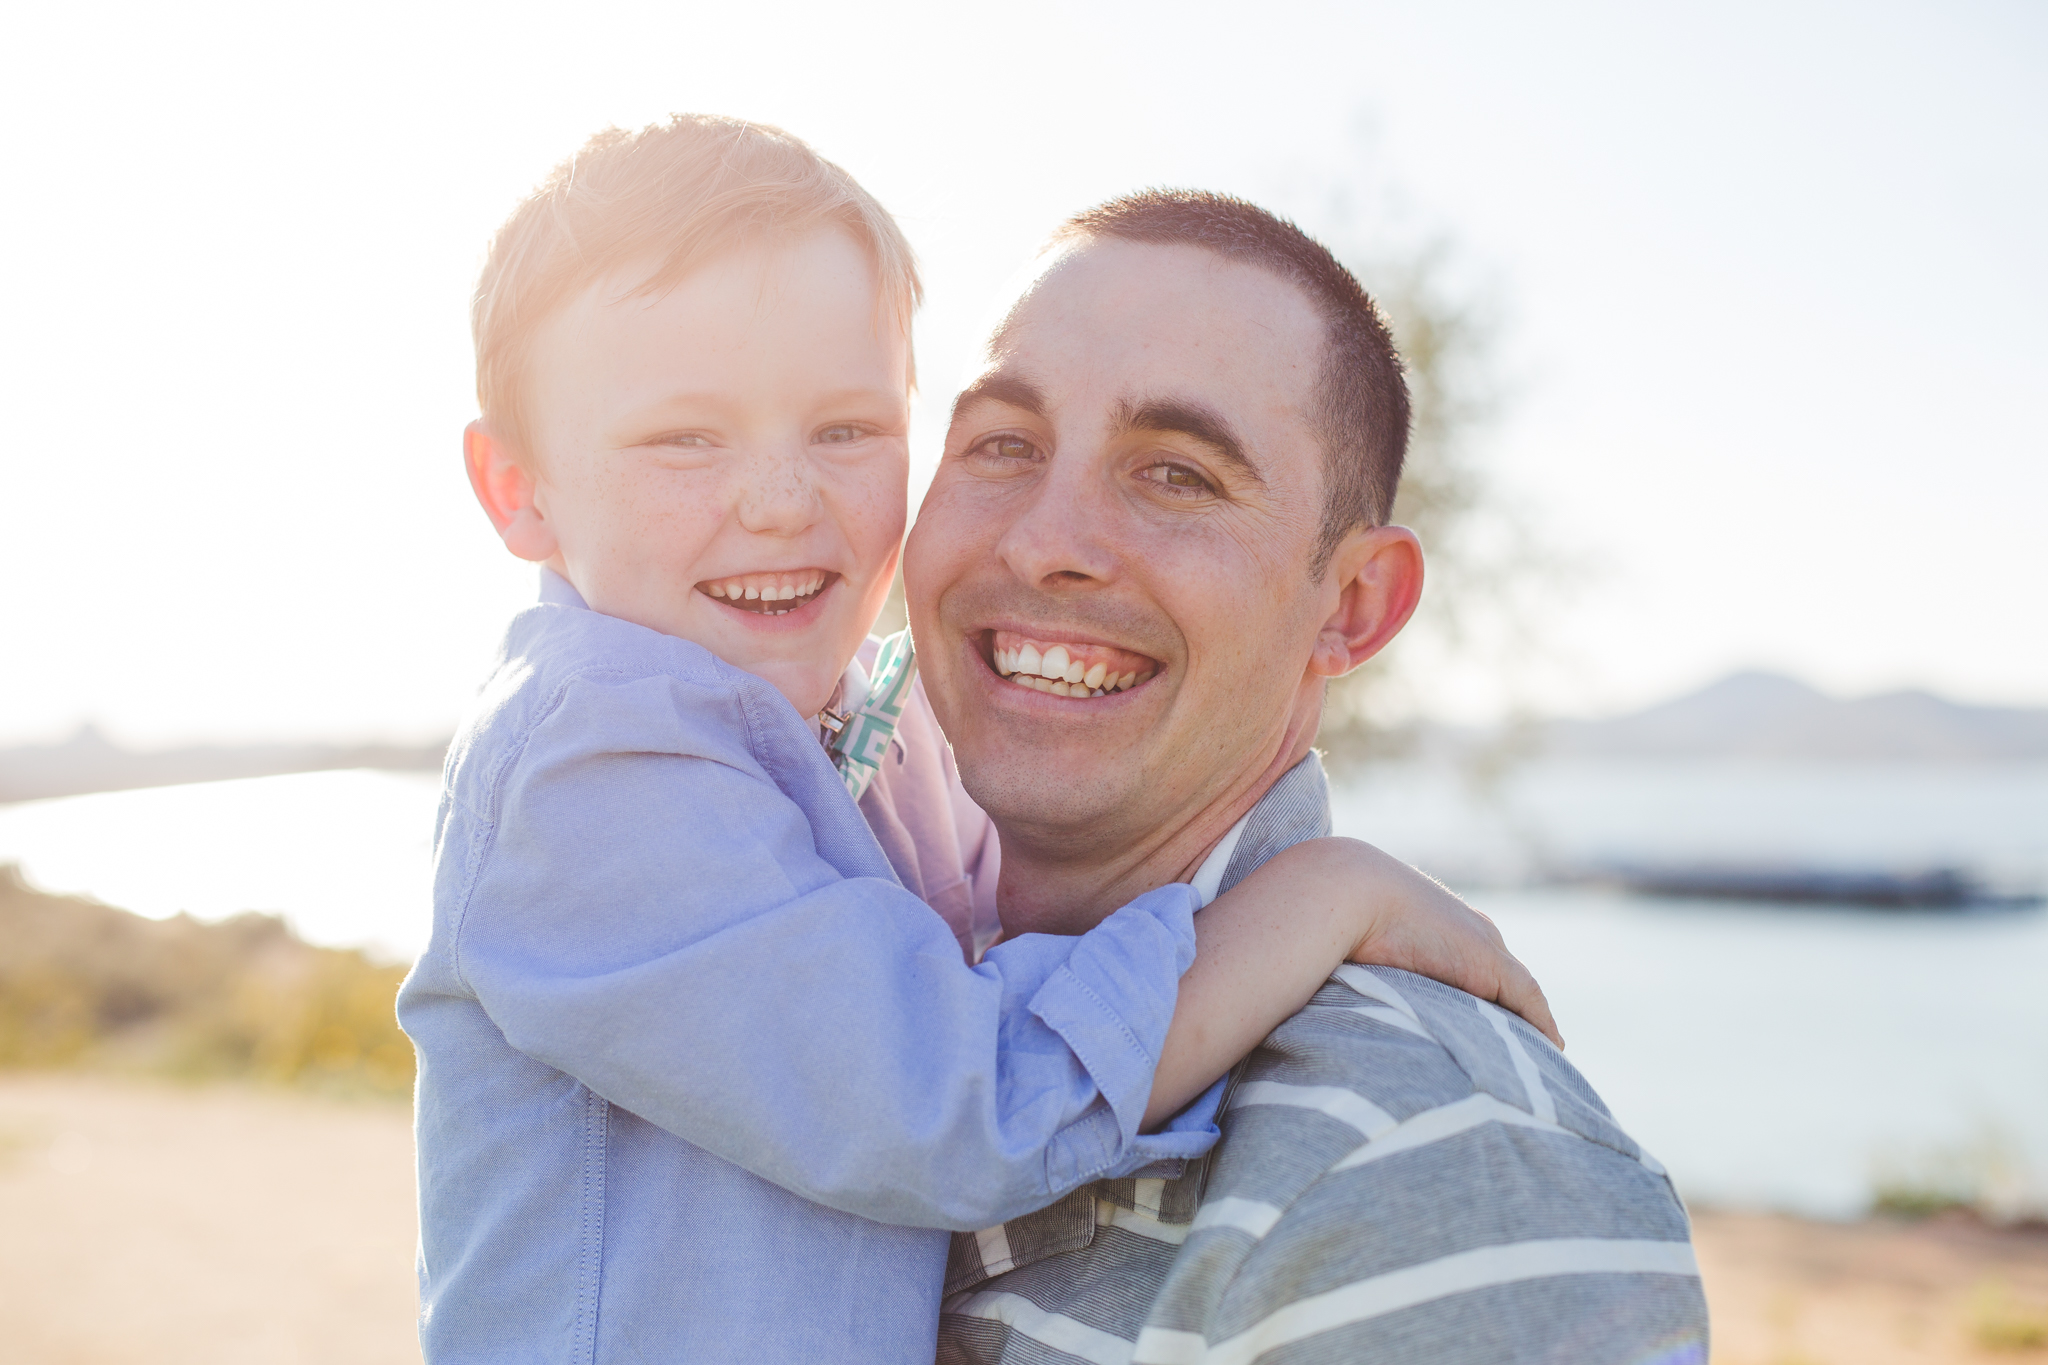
x: 1265, y: 946
x: 1414, y: 922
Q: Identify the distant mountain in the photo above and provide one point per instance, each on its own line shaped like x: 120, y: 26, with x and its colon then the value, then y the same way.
x: 1769, y: 716
x: 89, y: 762
x: 1745, y: 715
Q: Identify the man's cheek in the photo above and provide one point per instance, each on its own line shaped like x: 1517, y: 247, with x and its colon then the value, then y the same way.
x: 945, y: 549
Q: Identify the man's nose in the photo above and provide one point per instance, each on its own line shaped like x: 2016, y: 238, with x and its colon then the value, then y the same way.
x: 777, y: 493
x: 1060, y: 539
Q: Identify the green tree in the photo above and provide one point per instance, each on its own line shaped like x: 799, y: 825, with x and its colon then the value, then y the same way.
x: 1488, y: 570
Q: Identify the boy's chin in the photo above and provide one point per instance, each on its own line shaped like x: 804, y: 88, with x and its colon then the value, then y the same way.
x: 807, y: 687
x: 815, y: 658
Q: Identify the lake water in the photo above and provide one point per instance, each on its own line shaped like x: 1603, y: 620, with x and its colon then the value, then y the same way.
x: 1769, y: 1056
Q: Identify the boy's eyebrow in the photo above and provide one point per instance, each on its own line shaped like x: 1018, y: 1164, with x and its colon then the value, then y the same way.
x: 1003, y: 386
x: 660, y: 406
x: 1198, y: 420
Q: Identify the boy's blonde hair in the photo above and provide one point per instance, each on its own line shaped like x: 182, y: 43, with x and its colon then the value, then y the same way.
x: 677, y: 193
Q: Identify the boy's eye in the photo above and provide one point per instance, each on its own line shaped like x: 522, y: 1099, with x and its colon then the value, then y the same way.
x: 841, y: 434
x: 680, y: 438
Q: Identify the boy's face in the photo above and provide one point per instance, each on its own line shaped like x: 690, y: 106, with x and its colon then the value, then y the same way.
x: 727, y: 462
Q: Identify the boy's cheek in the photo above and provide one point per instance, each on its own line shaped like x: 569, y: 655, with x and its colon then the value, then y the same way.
x: 876, y: 537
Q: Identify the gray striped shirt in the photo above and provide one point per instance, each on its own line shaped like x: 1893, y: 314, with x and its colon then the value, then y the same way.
x: 1407, y: 1174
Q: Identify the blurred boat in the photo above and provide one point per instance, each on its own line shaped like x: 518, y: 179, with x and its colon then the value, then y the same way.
x: 1940, y: 888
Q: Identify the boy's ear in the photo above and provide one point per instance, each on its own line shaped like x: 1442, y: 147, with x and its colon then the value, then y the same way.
x: 506, y: 488
x: 1378, y: 576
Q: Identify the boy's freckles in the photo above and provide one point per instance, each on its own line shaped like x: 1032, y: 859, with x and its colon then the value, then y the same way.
x: 781, y: 496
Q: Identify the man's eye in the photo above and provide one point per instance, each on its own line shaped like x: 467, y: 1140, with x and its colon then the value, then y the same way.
x: 841, y: 434
x: 1007, y: 448
x: 1179, y: 476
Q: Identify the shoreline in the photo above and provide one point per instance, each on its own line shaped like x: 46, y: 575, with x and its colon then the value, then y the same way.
x: 154, y: 1221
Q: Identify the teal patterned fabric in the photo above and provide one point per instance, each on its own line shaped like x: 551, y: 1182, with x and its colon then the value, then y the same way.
x: 857, y: 750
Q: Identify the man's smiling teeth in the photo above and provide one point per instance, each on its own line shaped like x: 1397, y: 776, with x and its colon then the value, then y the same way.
x: 1068, y: 670
x: 755, y: 591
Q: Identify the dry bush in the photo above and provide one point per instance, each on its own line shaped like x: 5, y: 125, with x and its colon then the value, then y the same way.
x: 85, y: 984
x: 1997, y: 1323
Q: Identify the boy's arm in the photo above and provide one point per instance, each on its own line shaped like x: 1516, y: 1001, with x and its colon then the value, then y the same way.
x: 1267, y: 944
x: 662, y: 927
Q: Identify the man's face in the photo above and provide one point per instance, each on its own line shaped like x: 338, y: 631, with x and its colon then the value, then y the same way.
x: 1135, y: 480
x: 726, y: 461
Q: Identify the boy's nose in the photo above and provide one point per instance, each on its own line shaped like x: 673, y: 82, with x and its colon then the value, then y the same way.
x: 778, y: 495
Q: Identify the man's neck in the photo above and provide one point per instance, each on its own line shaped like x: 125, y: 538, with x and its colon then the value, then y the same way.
x: 1049, y: 886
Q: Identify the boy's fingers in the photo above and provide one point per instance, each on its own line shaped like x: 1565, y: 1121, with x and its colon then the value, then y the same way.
x: 1520, y: 993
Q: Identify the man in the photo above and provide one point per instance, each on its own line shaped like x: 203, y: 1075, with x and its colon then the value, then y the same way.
x: 1184, y: 446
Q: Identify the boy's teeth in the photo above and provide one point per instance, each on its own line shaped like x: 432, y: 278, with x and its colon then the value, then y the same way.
x: 766, y: 588
x: 1065, y: 670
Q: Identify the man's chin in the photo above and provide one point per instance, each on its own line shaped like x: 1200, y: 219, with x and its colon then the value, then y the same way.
x: 1034, y: 773
x: 1058, y: 815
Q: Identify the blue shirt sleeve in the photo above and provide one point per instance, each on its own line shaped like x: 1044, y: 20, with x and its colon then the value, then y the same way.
x: 651, y: 915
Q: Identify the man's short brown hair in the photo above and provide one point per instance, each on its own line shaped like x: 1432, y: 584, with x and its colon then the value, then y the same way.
x: 1362, y: 394
x: 676, y: 195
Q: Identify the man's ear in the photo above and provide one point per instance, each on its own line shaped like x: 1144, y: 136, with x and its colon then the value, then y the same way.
x: 505, y: 487
x: 1377, y: 572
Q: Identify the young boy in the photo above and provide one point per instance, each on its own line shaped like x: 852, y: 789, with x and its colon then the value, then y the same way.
x: 700, y: 1079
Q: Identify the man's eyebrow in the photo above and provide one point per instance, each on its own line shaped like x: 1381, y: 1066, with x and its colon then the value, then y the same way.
x: 1198, y: 420
x: 1003, y: 386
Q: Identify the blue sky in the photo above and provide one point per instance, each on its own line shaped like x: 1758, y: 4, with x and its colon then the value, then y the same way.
x: 1768, y: 280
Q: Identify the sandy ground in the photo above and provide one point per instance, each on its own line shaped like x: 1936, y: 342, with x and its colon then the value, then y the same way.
x: 151, y: 1223
x: 154, y: 1223
x: 1787, y: 1292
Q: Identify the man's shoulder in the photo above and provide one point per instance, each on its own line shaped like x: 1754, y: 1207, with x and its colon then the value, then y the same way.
x: 1408, y: 1172
x: 1383, y: 1067
x: 1408, y: 1044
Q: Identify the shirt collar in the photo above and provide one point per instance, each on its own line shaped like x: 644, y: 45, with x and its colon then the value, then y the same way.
x: 1294, y: 808
x: 557, y: 591
x: 1208, y: 878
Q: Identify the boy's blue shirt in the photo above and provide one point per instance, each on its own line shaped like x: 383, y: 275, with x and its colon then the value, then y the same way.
x: 699, y: 1080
